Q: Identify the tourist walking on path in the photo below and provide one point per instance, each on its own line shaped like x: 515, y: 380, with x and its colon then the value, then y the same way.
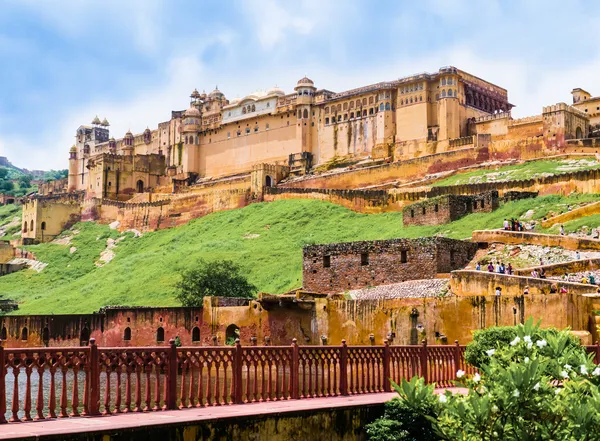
x: 562, y: 230
x: 478, y: 267
x: 506, y: 225
x: 498, y: 291
x: 490, y: 267
x: 509, y: 269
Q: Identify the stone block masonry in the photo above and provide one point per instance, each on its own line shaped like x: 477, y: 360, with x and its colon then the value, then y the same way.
x: 448, y: 208
x: 339, y: 267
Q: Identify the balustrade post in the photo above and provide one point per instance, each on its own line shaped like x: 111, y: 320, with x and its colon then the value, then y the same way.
x: 424, y: 362
x: 2, y: 385
x: 237, y: 372
x: 344, y: 369
x: 94, y: 379
x: 457, y: 356
x: 295, y: 369
x: 387, y: 386
x: 173, y: 368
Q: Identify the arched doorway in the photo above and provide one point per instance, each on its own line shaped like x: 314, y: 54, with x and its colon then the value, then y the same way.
x: 127, y: 334
x: 232, y: 333
x: 578, y: 133
x: 160, y: 334
x: 4, y: 333
x: 268, y: 181
x: 196, y: 334
x: 140, y: 186
x: 84, y: 337
x: 24, y: 334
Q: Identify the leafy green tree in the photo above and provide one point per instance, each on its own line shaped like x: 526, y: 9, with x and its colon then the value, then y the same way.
x: 24, y: 182
x: 219, y: 278
x: 7, y: 186
x: 3, y: 173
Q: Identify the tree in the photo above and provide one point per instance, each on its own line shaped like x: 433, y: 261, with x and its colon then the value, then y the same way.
x: 24, y: 181
x: 7, y: 186
x: 220, y: 278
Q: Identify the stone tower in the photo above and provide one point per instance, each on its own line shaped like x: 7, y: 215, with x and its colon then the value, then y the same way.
x: 72, y: 179
x: 304, y: 107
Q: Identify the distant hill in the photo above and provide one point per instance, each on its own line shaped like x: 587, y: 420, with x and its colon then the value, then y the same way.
x: 15, y: 172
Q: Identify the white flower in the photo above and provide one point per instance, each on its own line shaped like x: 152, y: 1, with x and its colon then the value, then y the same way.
x: 460, y: 373
x: 564, y: 374
x: 536, y: 387
x: 526, y: 360
x: 495, y: 433
x: 516, y: 393
x: 476, y: 378
x: 583, y: 369
x: 568, y: 367
x: 495, y: 408
x: 443, y: 398
x: 596, y: 372
x: 527, y: 339
x: 557, y: 391
x: 541, y: 343
x: 490, y: 352
x: 515, y: 341
x: 529, y: 345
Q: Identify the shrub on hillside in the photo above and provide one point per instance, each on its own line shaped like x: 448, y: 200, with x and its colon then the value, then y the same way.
x: 219, y: 278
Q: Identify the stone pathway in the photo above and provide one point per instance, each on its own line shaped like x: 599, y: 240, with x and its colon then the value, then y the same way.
x: 409, y: 289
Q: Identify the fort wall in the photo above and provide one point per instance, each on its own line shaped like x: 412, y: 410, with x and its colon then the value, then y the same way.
x: 402, y: 321
x: 548, y: 240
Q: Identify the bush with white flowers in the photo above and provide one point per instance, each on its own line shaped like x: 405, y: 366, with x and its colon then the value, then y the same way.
x: 529, y: 388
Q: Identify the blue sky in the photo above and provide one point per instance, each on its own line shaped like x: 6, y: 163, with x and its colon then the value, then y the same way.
x: 64, y: 61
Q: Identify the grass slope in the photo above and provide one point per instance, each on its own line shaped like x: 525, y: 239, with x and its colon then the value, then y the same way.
x: 265, y: 239
x: 526, y: 170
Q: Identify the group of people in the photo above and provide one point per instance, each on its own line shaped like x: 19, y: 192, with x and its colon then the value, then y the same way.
x: 499, y: 268
x: 590, y: 278
x: 513, y: 225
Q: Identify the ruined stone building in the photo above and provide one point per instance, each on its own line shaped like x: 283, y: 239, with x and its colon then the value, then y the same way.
x: 448, y: 208
x: 339, y: 267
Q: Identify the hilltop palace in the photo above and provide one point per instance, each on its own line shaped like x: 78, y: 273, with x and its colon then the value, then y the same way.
x: 266, y: 137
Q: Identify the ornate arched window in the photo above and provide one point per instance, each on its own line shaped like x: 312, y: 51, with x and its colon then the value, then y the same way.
x: 305, y: 114
x: 443, y: 93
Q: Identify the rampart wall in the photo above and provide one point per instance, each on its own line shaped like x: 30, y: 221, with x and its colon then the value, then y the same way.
x: 548, y: 240
x: 442, y: 319
x: 559, y: 269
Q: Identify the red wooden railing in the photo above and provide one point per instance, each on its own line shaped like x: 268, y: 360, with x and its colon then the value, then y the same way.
x: 88, y: 381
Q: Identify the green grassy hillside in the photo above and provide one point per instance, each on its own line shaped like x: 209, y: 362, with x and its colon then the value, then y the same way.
x: 527, y: 170
x: 265, y: 239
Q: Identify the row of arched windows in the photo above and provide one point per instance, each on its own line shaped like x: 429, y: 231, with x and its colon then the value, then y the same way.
x: 303, y: 114
x: 353, y: 115
x: 448, y: 81
x: 384, y: 106
x: 192, y: 140
x: 84, y: 335
x: 248, y: 109
x: 350, y: 105
x: 411, y: 88
x: 411, y: 100
x: 160, y: 334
